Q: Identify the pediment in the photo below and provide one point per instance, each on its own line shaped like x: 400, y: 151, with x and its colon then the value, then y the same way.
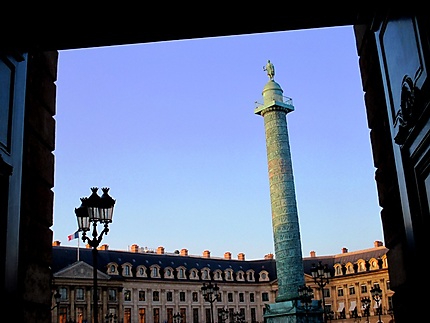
x: 81, y: 270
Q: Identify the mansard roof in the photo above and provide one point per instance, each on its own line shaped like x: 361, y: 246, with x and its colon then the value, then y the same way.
x: 65, y: 256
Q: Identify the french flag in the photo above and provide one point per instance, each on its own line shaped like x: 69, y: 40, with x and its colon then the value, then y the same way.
x: 73, y: 236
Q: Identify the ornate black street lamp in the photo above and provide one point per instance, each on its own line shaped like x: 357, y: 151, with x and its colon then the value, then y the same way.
x: 110, y: 318
x: 306, y: 294
x: 377, y: 297
x: 366, y: 305
x: 57, y: 297
x: 321, y: 276
x: 238, y: 317
x: 224, y: 314
x: 211, y: 294
x: 95, y: 209
x: 177, y: 318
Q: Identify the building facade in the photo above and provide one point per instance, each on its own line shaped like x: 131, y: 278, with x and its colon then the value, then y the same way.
x: 152, y: 286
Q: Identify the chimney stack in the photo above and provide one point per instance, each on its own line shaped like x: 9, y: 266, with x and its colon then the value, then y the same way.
x: 268, y: 256
x: 184, y: 252
x: 313, y: 254
x: 160, y: 250
x: 377, y: 244
x: 241, y: 256
x: 227, y: 255
x: 206, y: 254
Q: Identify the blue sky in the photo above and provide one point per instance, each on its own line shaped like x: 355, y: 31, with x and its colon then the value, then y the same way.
x: 170, y: 128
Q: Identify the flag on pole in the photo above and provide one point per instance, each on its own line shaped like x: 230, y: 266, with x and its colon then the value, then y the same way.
x: 73, y: 236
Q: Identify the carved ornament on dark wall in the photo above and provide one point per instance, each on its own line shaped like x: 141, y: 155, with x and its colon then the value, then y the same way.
x: 406, y: 116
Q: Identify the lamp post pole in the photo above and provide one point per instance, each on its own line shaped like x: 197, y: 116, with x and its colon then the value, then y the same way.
x: 211, y: 294
x: 95, y: 209
x: 366, y: 303
x: 377, y: 297
x: 321, y: 276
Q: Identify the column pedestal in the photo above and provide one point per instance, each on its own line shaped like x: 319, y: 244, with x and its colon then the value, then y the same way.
x: 293, y: 312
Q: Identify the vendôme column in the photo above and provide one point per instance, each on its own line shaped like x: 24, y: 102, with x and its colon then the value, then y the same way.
x: 285, y: 220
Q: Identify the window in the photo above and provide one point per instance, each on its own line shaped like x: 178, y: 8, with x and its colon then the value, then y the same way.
x: 242, y: 313
x: 340, y: 292
x: 141, y: 295
x: 253, y: 315
x: 338, y: 271
x: 264, y: 276
x: 326, y: 292
x: 112, y: 295
x: 63, y: 293
x: 195, y: 315
x: 183, y: 312
x: 351, y: 290
x: 363, y: 289
x: 251, y: 297
x: 181, y: 273
x: 169, y: 315
x: 241, y: 297
x: 230, y: 297
x: 250, y: 276
x: 80, y: 294
x: 156, y: 315
x: 127, y: 271
x: 112, y: 268
x: 142, y: 272
x: 154, y: 271
x: 155, y: 296
x: 142, y: 316
x: 169, y: 296
x: 205, y: 274
x: 208, y: 315
x: 388, y: 285
x: 127, y: 295
x: 182, y: 296
x: 195, y: 297
x: 218, y: 275
x: 127, y: 315
x: 228, y: 275
x: 168, y: 273
x: 265, y: 297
